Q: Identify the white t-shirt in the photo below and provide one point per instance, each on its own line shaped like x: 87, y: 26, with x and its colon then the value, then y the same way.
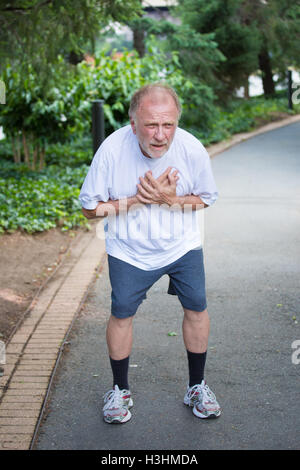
x: 149, y: 236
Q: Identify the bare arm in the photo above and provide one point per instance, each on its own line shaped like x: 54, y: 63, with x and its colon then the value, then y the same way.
x: 111, y: 207
x: 195, y: 202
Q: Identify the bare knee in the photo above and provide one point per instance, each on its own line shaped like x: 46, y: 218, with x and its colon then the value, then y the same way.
x: 194, y: 316
x: 120, y: 322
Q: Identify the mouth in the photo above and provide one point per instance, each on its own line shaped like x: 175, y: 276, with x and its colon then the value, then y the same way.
x: 158, y: 146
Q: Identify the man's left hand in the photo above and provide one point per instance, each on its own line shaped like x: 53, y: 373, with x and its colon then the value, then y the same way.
x: 158, y: 191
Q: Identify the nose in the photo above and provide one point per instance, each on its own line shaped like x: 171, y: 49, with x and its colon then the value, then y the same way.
x: 159, y: 133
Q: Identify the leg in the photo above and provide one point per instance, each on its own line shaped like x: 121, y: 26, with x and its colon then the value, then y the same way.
x: 195, y: 328
x: 119, y: 337
x: 129, y: 286
x: 118, y: 401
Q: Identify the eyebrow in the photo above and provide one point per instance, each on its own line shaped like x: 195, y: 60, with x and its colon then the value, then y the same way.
x: 154, y: 123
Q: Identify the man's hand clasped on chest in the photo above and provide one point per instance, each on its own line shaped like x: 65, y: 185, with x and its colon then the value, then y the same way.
x: 161, y: 190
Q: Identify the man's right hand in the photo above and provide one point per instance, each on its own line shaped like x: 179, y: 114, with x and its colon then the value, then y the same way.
x: 161, y: 190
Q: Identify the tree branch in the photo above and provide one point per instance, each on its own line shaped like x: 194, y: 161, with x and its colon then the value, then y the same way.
x: 26, y: 9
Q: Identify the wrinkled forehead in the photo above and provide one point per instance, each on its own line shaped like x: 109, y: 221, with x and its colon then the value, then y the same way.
x: 157, y: 101
x: 157, y: 96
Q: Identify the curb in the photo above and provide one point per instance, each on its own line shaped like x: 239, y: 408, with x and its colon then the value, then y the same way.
x: 33, y: 351
x: 220, y: 147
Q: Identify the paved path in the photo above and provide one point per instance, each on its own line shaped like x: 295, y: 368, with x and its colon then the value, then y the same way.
x: 252, y: 252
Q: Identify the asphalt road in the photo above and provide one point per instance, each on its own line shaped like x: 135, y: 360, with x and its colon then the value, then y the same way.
x: 252, y: 259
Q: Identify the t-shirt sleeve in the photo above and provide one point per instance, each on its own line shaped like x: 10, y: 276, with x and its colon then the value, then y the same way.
x: 96, y: 183
x: 204, y: 183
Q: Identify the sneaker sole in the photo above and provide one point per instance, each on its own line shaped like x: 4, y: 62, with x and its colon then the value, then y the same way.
x: 210, y: 415
x: 117, y: 419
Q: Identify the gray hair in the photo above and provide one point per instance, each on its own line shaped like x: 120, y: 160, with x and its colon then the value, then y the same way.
x: 145, y: 90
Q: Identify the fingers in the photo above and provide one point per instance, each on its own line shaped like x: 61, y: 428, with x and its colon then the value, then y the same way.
x: 143, y: 192
x: 146, y: 184
x: 143, y: 199
x: 173, y: 177
x: 150, y: 179
x: 164, y: 175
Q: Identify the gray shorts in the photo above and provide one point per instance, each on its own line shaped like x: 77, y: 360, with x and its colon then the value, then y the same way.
x: 130, y: 284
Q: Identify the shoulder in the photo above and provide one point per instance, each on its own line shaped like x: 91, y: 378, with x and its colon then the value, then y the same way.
x: 190, y: 145
x: 114, y: 144
x: 115, y: 140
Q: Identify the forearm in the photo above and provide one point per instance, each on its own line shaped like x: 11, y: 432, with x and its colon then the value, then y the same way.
x: 111, y: 207
x: 189, y: 201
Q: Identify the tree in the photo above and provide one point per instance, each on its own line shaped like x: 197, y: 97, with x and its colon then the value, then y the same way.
x: 236, y: 40
x: 278, y: 25
x: 251, y: 34
x: 36, y: 31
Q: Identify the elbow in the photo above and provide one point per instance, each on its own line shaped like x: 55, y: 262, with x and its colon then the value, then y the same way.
x: 89, y: 214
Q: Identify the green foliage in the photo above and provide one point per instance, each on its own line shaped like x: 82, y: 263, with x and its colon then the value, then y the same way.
x: 37, y: 201
x: 37, y: 31
x: 34, y: 116
x: 243, y: 116
x: 75, y: 152
x: 237, y: 41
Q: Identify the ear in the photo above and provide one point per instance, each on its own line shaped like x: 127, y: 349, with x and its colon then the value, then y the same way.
x: 133, y: 126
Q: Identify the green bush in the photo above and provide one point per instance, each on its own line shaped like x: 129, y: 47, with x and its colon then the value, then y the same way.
x: 34, y: 116
x: 243, y: 116
x: 37, y: 201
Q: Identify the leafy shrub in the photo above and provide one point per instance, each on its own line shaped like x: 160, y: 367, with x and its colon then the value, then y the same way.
x: 37, y: 201
x: 242, y: 116
x: 34, y: 116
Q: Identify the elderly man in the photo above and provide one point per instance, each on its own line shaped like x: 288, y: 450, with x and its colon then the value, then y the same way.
x: 150, y: 179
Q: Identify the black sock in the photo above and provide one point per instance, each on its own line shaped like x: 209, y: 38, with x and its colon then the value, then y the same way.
x: 196, y: 363
x: 120, y: 372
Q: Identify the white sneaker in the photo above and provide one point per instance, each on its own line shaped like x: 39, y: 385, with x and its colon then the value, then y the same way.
x: 203, y: 401
x: 116, y: 406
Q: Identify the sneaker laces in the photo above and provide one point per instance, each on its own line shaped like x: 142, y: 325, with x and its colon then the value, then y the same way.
x: 113, y: 399
x: 196, y: 390
x: 208, y: 395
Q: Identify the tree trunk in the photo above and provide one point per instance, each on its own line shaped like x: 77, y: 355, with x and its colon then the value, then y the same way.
x: 267, y: 75
x: 26, y: 149
x: 16, y: 149
x: 246, y: 88
x: 34, y: 156
x: 42, y: 158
